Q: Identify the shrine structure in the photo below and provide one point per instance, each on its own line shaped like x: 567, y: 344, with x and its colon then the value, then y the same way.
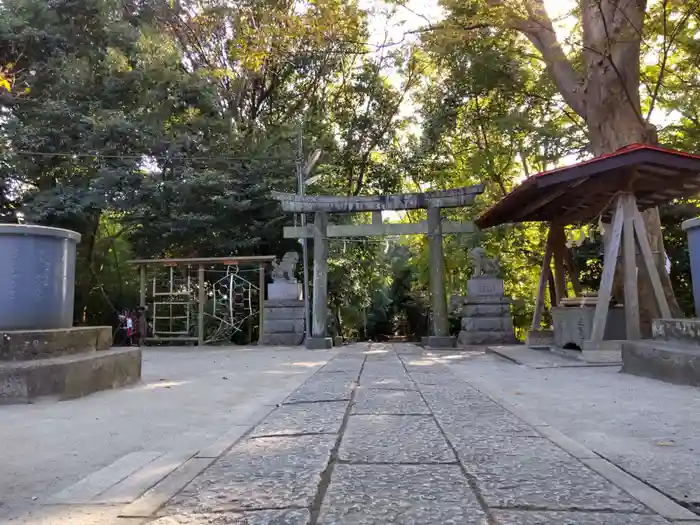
x: 615, y: 188
x: 434, y: 227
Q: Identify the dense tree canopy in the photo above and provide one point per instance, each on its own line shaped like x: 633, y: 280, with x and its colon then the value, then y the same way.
x: 159, y: 127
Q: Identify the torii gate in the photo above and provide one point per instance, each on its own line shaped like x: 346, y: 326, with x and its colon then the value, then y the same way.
x: 434, y: 227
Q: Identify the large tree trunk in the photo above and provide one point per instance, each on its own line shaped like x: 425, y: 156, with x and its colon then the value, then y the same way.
x: 605, y: 93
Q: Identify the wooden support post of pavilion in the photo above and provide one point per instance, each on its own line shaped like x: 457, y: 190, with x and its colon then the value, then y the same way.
x: 616, y: 188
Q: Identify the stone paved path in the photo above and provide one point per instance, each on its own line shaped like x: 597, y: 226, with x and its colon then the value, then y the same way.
x: 384, y: 436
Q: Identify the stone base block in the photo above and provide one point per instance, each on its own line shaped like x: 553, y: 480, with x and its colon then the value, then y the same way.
x: 319, y: 343
x: 288, y: 339
x: 672, y: 363
x: 487, y: 324
x: 478, y: 337
x: 70, y: 376
x: 338, y: 340
x: 540, y: 339
x: 496, y: 309
x: 284, y: 313
x: 281, y: 326
x: 602, y: 352
x: 684, y: 331
x: 283, y: 323
x: 434, y: 341
x: 284, y: 290
x: 25, y: 345
x: 574, y: 325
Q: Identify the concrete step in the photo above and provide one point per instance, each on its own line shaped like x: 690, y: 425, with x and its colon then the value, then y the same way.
x: 24, y: 345
x: 684, y: 331
x: 667, y: 361
x: 68, y: 377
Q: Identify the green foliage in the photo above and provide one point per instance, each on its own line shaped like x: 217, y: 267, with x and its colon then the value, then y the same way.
x: 159, y: 127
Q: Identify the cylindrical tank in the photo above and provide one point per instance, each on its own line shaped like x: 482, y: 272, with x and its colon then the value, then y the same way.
x: 692, y: 229
x: 37, y: 277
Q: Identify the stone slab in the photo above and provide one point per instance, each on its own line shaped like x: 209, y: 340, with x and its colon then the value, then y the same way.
x: 336, y: 365
x: 652, y: 498
x: 324, y: 387
x: 400, y: 495
x: 284, y: 303
x: 394, y: 439
x: 24, y: 345
x: 482, y: 427
x: 150, y: 502
x: 434, y: 341
x: 661, y: 360
x: 485, y: 286
x: 373, y: 401
x: 487, y: 324
x: 540, y: 339
x: 533, y: 472
x: 281, y: 326
x: 537, y: 359
x: 602, y: 357
x: 396, y: 382
x: 305, y: 418
x: 264, y: 473
x: 284, y: 312
x: 284, y: 290
x: 255, y: 517
x: 466, y: 416
x: 72, y: 515
x: 90, y: 487
x: 486, y: 310
x: 385, y: 374
x: 574, y: 325
x: 224, y: 442
x: 539, y: 517
x: 70, y: 376
x: 483, y: 337
x: 678, y: 330
x: 133, y: 486
x: 319, y: 343
x: 485, y: 299
x: 288, y: 339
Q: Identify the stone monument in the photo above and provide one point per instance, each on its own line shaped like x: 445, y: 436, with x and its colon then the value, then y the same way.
x: 41, y: 354
x: 283, y: 319
x: 486, y: 317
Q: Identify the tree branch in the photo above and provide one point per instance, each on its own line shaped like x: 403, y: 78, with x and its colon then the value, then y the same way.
x: 538, y: 28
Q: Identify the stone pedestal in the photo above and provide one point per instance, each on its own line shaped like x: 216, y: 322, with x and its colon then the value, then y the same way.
x: 63, y: 363
x: 486, y: 317
x: 283, y: 322
x: 284, y: 290
x: 672, y: 356
x: 540, y: 339
x: 438, y: 342
x: 319, y: 343
x: 573, y: 325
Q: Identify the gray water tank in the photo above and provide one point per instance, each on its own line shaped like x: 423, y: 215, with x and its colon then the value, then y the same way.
x: 692, y: 229
x: 37, y: 277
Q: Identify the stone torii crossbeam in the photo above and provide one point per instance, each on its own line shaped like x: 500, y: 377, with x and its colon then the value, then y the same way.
x: 434, y: 227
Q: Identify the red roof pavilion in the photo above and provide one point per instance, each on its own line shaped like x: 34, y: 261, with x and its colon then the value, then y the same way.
x: 583, y: 191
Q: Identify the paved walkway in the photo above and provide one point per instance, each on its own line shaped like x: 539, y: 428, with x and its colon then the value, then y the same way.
x: 649, y: 428
x: 189, y: 399
x: 385, y: 434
